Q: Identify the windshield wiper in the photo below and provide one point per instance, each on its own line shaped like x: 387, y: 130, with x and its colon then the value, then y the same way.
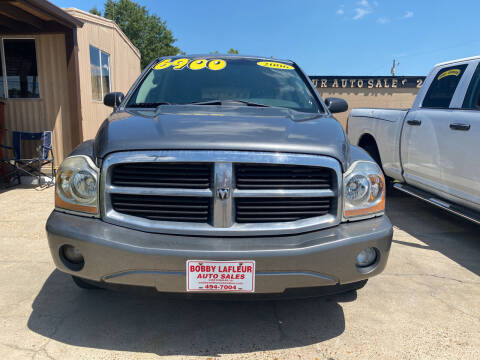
x: 226, y: 102
x: 148, y: 104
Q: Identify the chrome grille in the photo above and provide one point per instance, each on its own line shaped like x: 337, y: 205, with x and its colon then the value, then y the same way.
x: 163, y: 175
x: 261, y: 210
x: 223, y: 193
x: 265, y: 176
x: 163, y: 208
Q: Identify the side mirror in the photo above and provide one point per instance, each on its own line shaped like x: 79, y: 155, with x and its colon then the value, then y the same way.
x: 336, y: 105
x: 113, y: 99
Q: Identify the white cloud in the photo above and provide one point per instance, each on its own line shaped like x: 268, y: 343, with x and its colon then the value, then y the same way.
x: 364, y: 9
x: 360, y: 13
x: 383, y: 20
x: 341, y: 10
x: 408, y: 15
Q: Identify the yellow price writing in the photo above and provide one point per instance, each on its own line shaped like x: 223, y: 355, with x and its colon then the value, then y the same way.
x: 454, y: 72
x: 198, y: 64
x: 275, y: 65
x: 179, y: 64
x: 217, y: 64
x: 163, y: 64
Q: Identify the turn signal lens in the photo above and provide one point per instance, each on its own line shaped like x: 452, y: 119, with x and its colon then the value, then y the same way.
x: 77, y: 185
x: 364, y: 190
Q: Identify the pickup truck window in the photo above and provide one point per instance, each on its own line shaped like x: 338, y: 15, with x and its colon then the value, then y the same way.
x: 441, y: 91
x: 472, y: 99
x: 253, y: 81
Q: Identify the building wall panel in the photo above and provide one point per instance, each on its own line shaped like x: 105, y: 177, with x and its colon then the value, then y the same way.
x: 124, y: 66
x: 51, y: 111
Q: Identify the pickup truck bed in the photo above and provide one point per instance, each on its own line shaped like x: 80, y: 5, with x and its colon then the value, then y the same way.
x: 380, y: 127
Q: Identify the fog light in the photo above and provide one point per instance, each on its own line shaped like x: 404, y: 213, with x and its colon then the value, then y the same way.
x: 72, y: 254
x: 366, y: 257
x: 71, y: 257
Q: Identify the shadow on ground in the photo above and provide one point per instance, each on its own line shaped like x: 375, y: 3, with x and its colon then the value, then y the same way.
x: 127, y: 322
x: 441, y: 231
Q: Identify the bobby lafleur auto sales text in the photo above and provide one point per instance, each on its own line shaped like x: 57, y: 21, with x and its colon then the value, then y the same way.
x: 221, y: 271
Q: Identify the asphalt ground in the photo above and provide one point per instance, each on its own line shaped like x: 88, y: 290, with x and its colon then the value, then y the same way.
x: 425, y: 305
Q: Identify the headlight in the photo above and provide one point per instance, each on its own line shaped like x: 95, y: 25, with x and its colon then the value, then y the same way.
x: 364, y: 190
x: 77, y: 185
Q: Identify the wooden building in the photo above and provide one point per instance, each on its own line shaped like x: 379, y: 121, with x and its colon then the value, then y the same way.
x: 55, y: 67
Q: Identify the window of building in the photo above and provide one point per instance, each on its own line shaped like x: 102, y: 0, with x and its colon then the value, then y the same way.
x: 100, y: 72
x: 441, y: 91
x: 472, y: 99
x: 18, y: 69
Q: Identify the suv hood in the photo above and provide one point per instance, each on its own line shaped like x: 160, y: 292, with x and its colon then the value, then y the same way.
x: 222, y: 128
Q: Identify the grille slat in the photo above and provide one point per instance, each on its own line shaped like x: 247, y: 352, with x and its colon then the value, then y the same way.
x: 163, y: 175
x: 274, y: 208
x: 149, y: 211
x: 280, y: 186
x: 258, y: 210
x: 174, y: 218
x: 159, y: 206
x: 157, y: 184
x: 149, y: 178
x: 267, y: 220
x: 276, y: 213
x: 296, y: 181
x: 163, y: 208
x: 265, y: 176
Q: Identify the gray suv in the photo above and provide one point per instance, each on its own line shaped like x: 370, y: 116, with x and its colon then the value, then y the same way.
x: 221, y: 175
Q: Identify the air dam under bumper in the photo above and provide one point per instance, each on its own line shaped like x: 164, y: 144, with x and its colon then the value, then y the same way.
x: 119, y: 255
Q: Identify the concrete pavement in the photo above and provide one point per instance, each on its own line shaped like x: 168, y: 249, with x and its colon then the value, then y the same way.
x: 426, y: 305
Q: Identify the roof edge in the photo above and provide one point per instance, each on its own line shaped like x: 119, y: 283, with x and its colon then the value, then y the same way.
x: 100, y: 20
x: 234, y: 56
x: 476, y: 57
x: 56, y: 12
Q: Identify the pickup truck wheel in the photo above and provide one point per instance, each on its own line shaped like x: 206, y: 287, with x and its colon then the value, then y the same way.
x: 83, y: 284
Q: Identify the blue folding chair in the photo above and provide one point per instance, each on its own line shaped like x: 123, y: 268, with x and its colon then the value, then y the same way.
x: 30, y: 166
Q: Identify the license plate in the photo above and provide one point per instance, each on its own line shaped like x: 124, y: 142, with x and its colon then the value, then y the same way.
x: 221, y: 276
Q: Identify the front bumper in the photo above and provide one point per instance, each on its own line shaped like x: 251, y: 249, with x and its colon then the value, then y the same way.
x: 118, y: 255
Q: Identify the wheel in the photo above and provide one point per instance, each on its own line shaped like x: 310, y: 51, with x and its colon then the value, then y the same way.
x: 84, y: 284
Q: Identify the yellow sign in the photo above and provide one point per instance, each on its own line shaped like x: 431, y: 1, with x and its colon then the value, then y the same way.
x: 198, y: 64
x: 451, y: 72
x: 275, y: 65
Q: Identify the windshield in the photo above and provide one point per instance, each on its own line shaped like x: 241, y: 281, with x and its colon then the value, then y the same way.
x: 237, y: 81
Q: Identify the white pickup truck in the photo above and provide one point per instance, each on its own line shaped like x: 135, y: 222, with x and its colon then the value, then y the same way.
x: 431, y: 150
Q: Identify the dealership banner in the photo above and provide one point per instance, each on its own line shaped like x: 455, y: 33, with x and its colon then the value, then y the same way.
x: 369, y: 82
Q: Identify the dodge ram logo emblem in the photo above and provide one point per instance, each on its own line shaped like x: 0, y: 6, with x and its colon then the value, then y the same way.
x: 223, y: 193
